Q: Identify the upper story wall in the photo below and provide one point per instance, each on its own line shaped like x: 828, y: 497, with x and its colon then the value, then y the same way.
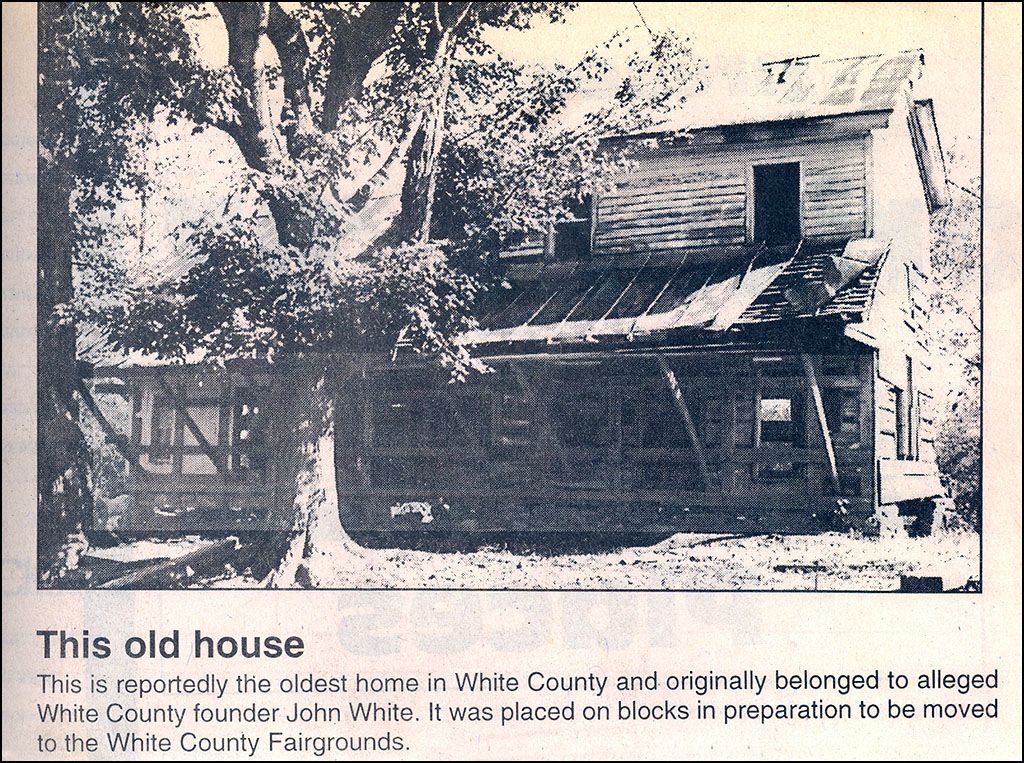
x: 692, y: 197
x: 897, y: 323
x: 859, y: 176
x: 687, y: 197
x: 901, y: 205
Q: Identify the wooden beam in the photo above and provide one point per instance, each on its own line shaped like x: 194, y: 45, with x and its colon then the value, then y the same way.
x: 119, y: 440
x: 182, y: 406
x: 542, y: 418
x: 819, y: 407
x: 684, y: 410
x: 167, y: 573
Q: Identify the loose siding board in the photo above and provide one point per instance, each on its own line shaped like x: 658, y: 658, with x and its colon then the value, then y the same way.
x: 907, y: 481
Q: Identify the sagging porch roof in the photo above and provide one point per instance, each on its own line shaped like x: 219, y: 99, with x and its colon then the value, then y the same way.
x: 582, y: 301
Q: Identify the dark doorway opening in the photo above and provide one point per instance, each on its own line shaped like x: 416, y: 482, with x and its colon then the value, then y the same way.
x: 572, y: 236
x: 777, y: 203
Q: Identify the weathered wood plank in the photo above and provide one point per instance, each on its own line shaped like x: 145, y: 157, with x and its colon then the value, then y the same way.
x: 714, y: 157
x: 907, y: 481
x: 684, y: 207
x: 691, y: 430
x: 650, y: 195
x: 679, y: 223
x: 670, y: 246
x: 833, y: 185
x: 852, y: 204
x: 670, y: 231
x: 819, y: 408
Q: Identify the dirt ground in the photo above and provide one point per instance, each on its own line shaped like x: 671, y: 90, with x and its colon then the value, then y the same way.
x: 828, y: 562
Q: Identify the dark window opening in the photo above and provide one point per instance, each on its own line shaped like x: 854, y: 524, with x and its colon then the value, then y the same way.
x: 572, y: 236
x: 161, y: 439
x: 777, y: 203
x: 578, y: 412
x: 842, y: 412
x: 651, y: 419
x: 781, y: 420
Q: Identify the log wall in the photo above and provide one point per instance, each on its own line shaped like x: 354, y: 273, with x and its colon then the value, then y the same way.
x: 603, y: 446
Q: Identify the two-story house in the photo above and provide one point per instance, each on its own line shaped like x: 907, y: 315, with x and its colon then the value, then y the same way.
x: 730, y: 338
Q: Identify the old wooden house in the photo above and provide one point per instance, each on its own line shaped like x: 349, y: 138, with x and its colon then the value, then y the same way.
x: 729, y: 338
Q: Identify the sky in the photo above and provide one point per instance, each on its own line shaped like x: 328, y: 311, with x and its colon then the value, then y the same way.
x: 734, y: 35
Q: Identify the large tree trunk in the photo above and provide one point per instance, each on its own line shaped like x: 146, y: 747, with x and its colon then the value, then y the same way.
x: 319, y: 550
x: 64, y: 495
x: 319, y: 545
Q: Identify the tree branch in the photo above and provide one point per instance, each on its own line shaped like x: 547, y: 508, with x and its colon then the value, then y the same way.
x: 459, y: 13
x: 246, y: 24
x: 285, y: 32
x: 355, y: 48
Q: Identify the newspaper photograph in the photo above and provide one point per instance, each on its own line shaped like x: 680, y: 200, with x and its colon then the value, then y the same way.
x: 551, y: 380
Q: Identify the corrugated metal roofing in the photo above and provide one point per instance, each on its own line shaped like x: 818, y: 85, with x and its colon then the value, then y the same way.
x: 609, y: 297
x: 800, y: 88
x: 826, y: 281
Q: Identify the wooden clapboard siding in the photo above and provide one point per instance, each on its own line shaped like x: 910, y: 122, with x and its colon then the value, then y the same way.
x: 899, y: 316
x: 681, y: 198
x: 909, y: 478
x: 898, y: 319
x: 688, y: 198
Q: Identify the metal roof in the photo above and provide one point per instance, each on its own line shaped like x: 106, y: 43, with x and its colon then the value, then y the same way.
x: 711, y: 291
x: 799, y: 88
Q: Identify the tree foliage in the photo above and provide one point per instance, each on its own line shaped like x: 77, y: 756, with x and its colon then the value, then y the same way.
x: 955, y: 326
x: 383, y: 153
x: 223, y: 180
x: 91, y: 98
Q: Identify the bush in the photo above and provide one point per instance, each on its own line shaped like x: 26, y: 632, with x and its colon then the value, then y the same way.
x: 958, y: 450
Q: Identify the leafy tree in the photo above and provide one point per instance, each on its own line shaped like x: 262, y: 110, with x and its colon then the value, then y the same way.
x: 955, y: 324
x: 383, y: 152
x: 91, y: 64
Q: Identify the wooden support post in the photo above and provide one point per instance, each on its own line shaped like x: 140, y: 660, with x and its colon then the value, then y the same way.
x: 684, y: 410
x: 547, y: 434
x: 819, y: 407
x: 182, y: 406
x: 119, y: 440
x: 615, y: 416
x: 136, y: 401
